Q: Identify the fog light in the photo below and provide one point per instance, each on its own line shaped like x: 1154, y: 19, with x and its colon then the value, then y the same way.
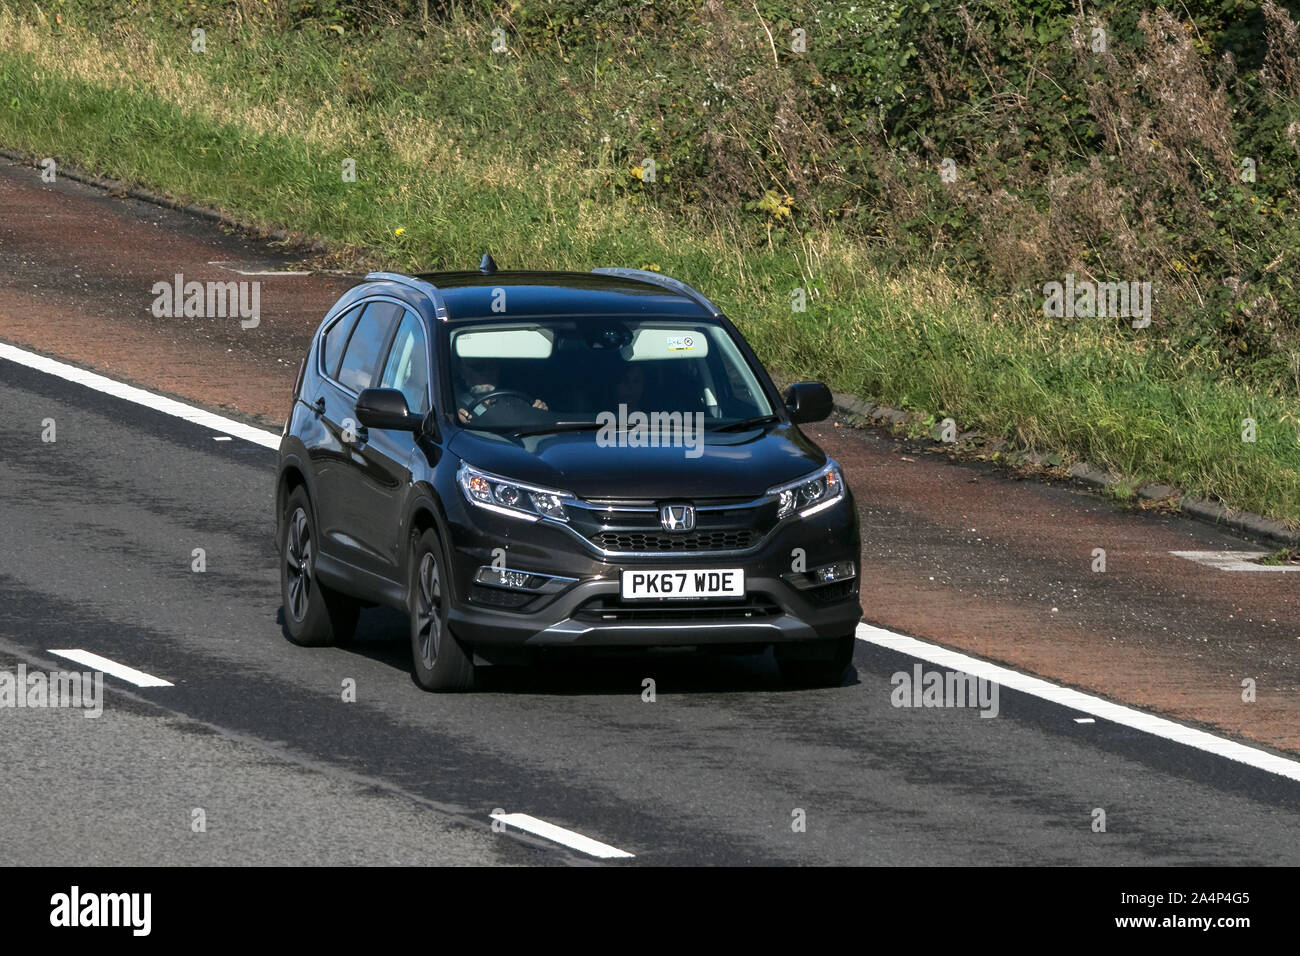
x: 514, y: 579
x: 825, y: 574
x: 830, y: 573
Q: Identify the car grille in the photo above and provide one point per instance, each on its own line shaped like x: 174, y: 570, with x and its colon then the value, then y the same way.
x: 499, y: 597
x: 632, y: 527
x: 625, y: 541
x: 606, y: 610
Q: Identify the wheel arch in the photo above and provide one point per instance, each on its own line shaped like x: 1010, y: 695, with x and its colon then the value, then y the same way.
x: 425, y: 511
x: 293, y: 475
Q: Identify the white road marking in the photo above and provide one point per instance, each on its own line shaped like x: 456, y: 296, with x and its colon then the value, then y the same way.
x: 221, y: 438
x: 249, y: 269
x: 113, y: 668
x: 574, y: 841
x: 1233, y: 560
x: 1085, y: 720
x: 1116, y: 713
x: 168, y: 406
x: 1077, y: 700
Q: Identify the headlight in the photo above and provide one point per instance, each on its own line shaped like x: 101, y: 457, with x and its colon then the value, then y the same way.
x: 508, y: 497
x: 810, y: 495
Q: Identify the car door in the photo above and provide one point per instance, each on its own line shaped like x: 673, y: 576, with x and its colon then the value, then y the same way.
x: 338, y: 459
x: 383, y: 460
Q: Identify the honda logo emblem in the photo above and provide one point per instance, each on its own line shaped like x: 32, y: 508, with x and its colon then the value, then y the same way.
x: 677, y: 517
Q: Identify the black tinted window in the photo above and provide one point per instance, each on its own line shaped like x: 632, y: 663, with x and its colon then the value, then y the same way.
x: 551, y: 370
x: 361, y: 360
x: 336, y: 336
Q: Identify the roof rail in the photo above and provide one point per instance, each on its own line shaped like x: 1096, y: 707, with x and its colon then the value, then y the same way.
x: 419, y: 285
x: 659, y: 279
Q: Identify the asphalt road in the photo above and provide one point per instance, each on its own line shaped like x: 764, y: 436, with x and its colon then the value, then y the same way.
x: 99, y: 527
x: 955, y: 552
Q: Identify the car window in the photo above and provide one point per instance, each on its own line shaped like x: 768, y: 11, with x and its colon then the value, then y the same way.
x: 532, y: 373
x: 407, y: 368
x: 332, y: 342
x: 361, y: 359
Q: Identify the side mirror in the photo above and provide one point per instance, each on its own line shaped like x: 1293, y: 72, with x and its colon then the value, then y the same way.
x: 386, y: 408
x: 808, y: 402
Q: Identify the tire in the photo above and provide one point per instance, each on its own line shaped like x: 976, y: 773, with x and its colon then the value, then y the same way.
x: 826, y: 669
x: 314, y: 615
x: 441, y: 662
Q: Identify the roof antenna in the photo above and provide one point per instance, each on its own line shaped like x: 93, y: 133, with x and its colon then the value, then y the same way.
x: 487, y: 266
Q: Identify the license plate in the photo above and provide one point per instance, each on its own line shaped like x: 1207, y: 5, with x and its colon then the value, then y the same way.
x: 726, y: 582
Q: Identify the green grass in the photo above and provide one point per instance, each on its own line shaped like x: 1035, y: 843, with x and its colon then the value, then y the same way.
x: 1284, y: 556
x: 452, y: 163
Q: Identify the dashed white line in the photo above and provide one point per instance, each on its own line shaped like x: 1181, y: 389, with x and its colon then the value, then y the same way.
x: 113, y: 668
x: 549, y: 831
x: 139, y: 396
x: 1087, y: 703
x: 1116, y: 713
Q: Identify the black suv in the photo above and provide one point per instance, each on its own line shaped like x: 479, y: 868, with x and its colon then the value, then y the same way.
x: 523, y: 460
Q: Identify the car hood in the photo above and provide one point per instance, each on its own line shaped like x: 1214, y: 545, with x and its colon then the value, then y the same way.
x: 725, y: 465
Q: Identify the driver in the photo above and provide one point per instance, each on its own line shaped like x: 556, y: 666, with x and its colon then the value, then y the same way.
x: 480, y: 377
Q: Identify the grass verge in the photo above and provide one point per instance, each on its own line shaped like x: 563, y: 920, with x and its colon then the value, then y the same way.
x: 457, y: 152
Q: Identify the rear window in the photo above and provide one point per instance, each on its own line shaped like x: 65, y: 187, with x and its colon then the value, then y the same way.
x: 361, y: 359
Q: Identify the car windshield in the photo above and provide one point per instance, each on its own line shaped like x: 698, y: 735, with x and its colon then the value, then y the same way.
x: 560, y: 374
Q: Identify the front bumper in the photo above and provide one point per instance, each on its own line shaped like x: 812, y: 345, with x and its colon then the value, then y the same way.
x: 590, y: 614
x: 587, y: 610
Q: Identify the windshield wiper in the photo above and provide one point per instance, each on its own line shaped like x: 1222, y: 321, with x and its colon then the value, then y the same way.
x: 557, y: 427
x: 745, y: 423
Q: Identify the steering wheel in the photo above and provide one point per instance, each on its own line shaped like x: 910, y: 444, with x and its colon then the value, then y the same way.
x: 499, y: 394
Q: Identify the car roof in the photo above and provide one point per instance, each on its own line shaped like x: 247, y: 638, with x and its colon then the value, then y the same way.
x: 471, y: 295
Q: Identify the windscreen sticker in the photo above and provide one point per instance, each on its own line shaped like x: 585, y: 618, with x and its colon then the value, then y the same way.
x: 681, y: 343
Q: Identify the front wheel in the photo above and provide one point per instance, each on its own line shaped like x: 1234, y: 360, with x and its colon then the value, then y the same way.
x: 825, y: 669
x: 314, y: 615
x: 441, y: 662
